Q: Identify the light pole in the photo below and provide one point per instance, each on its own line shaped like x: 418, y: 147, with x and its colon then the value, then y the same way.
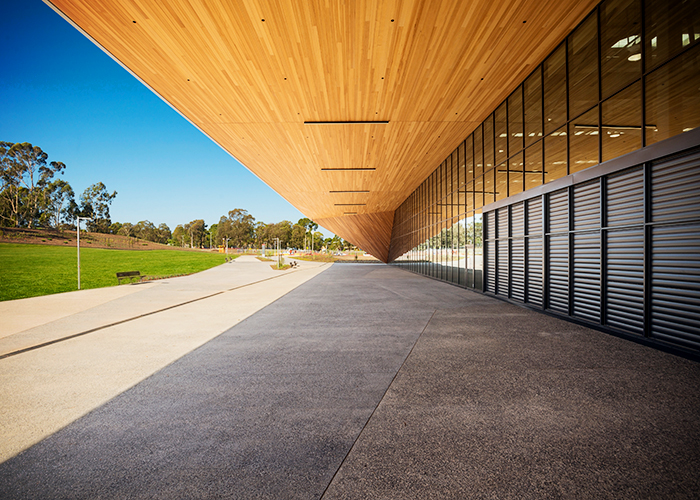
x: 227, y: 246
x: 78, y: 226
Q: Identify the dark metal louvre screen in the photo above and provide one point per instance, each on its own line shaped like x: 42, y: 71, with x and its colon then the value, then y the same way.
x: 587, y: 205
x: 559, y: 273
x: 517, y: 265
x: 533, y: 266
x: 503, y: 260
x: 625, y: 280
x: 625, y: 197
x: 675, y: 284
x: 490, y: 251
x: 675, y: 189
x: 559, y: 211
x: 586, y: 276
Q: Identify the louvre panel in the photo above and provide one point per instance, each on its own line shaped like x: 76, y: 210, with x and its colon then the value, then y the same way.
x: 625, y: 280
x: 587, y: 205
x: 517, y: 219
x: 559, y: 211
x: 675, y: 284
x: 534, y: 216
x: 490, y: 271
x: 586, y: 275
x: 487, y: 225
x: 534, y: 271
x: 559, y: 273
x: 517, y: 265
x: 675, y: 189
x: 625, y: 197
x: 503, y: 222
x: 503, y: 267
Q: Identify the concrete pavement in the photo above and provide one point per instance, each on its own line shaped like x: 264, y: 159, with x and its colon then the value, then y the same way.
x: 370, y: 382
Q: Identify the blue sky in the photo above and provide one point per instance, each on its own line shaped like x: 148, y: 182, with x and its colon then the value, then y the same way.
x: 62, y: 93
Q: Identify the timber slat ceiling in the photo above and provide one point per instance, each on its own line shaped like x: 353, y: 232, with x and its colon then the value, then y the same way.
x: 250, y: 73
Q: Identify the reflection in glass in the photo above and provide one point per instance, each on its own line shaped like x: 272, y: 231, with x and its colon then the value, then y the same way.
x: 479, y: 192
x: 670, y: 28
x: 488, y: 143
x: 622, y: 122
x: 489, y: 187
x: 673, y: 97
x: 469, y: 157
x: 583, y: 66
x: 515, y: 174
x: 469, y: 249
x: 555, y: 155
x: 478, y: 151
x: 533, y: 165
x: 620, y: 44
x: 501, y: 181
x: 515, y: 120
x: 583, y: 141
x: 554, y: 80
x: 533, y: 107
x: 462, y: 174
x: 501, y: 123
x: 469, y: 196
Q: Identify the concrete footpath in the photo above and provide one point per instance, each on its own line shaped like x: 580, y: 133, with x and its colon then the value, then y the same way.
x: 365, y: 381
x: 45, y: 389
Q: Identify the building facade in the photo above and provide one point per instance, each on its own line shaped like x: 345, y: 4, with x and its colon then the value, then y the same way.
x: 579, y: 195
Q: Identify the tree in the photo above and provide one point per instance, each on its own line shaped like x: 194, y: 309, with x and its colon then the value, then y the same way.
x: 196, y: 230
x: 177, y: 238
x: 56, y: 194
x: 296, y: 239
x: 25, y: 175
x: 239, y: 227
x: 95, y: 202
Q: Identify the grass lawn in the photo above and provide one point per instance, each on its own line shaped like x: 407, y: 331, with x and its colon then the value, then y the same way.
x: 31, y: 270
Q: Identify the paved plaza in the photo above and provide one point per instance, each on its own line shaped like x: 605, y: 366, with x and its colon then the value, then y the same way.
x: 350, y: 381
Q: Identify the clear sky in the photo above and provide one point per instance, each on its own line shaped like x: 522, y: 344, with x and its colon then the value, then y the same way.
x: 62, y: 93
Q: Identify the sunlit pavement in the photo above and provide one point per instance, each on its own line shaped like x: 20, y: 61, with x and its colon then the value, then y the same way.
x: 365, y: 381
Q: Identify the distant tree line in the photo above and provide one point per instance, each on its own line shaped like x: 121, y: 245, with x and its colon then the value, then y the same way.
x: 32, y: 196
x: 239, y: 229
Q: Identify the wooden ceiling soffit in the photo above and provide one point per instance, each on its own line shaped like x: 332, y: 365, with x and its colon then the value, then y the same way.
x: 370, y: 232
x: 403, y: 81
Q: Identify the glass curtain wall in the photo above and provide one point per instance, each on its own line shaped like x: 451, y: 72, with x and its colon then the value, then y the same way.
x: 626, y: 77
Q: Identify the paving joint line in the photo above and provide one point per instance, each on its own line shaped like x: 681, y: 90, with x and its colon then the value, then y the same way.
x: 102, y: 327
x: 377, y: 406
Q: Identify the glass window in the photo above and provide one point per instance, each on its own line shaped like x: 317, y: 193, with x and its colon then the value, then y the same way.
x: 622, y: 122
x: 554, y: 80
x: 501, y: 123
x: 670, y: 28
x: 479, y: 192
x: 501, y: 182
x: 462, y: 174
x: 533, y: 165
x: 583, y: 66
x: 555, y: 155
x: 469, y: 196
x: 673, y: 97
x: 478, y: 151
x: 533, y: 107
x: 515, y: 121
x: 469, y: 157
x: 515, y: 174
x: 455, y: 170
x: 478, y: 251
x: 488, y: 143
x: 583, y: 141
x: 489, y: 188
x: 621, y: 44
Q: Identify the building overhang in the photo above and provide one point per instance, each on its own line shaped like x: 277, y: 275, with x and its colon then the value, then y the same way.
x: 343, y: 108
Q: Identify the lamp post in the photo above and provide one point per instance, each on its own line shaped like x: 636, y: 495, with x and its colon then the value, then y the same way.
x: 278, y: 253
x: 78, y: 227
x: 227, y: 246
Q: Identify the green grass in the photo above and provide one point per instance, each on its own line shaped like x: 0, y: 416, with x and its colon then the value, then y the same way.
x: 32, y: 270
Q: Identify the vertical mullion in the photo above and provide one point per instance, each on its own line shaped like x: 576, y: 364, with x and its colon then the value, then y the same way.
x: 603, y: 250
x: 570, y: 207
x: 526, y: 252
x: 648, y: 267
x: 600, y: 93
x: 545, y: 251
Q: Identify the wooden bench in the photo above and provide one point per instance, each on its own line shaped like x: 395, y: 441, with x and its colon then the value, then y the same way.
x: 130, y: 276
